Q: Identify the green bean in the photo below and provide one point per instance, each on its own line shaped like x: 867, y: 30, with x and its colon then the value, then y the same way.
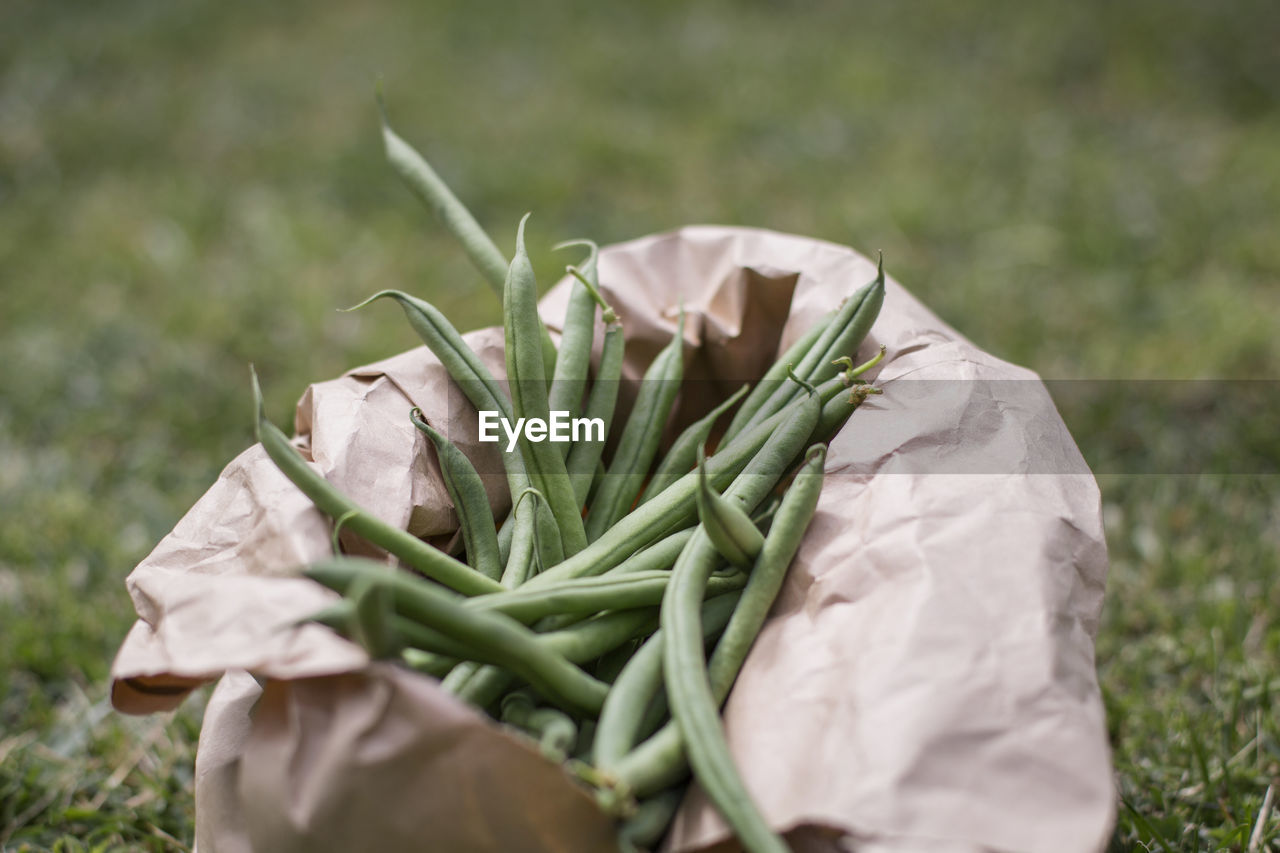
x: 459, y: 676
x: 850, y: 336
x: 680, y: 458
x: 792, y: 520
x: 495, y: 638
x: 841, y: 337
x: 775, y: 458
x: 578, y: 643
x: 836, y: 411
x: 660, y: 761
x: 658, y: 556
x: 462, y: 364
x: 644, y: 829
x: 524, y: 548
x: 851, y: 372
x: 466, y: 369
x: 591, y: 638
x: 544, y: 550
x: 506, y: 532
x: 340, y: 616
x: 775, y: 376
x: 475, y: 518
x: 555, y: 732
x: 429, y: 663
x: 423, y: 181
x: 546, y: 536
x: 634, y: 688
x: 639, y: 441
x: 431, y: 190
x: 573, y: 361
x: 417, y: 554
x: 486, y: 686
x: 609, y: 664
x: 372, y: 625
x: 584, y: 457
x: 543, y: 463
x: 730, y: 529
x: 591, y: 595
x: 693, y: 705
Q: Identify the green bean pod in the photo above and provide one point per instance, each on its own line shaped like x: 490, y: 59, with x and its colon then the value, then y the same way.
x: 584, y: 457
x: 640, y: 437
x: 835, y: 412
x: 728, y: 526
x: 693, y: 705
x: 475, y: 518
x: 554, y: 730
x: 660, y: 761
x: 415, y: 553
x: 462, y: 364
x: 423, y: 181
x: 493, y: 638
x: 464, y: 367
x: 661, y: 555
x: 573, y: 361
x: 523, y: 555
x: 584, y: 596
x: 414, y: 170
x: 644, y: 829
x: 544, y: 465
x: 775, y: 376
x: 428, y: 663
x: 546, y: 544
x: 635, y: 687
x: 847, y: 329
x: 593, y: 637
x: 684, y: 450
x: 372, y: 625
x: 851, y: 335
x: 459, y: 676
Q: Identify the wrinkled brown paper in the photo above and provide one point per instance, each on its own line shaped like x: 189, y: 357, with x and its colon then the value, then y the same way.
x: 926, y: 680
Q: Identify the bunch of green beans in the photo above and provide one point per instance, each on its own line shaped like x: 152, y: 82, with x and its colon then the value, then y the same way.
x: 607, y: 616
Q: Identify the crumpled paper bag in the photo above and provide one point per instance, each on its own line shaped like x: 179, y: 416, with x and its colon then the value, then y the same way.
x: 926, y: 680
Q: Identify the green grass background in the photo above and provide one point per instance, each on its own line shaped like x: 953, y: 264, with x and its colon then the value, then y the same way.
x: 1092, y: 190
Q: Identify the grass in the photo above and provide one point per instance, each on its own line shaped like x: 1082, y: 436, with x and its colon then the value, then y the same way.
x: 1092, y: 191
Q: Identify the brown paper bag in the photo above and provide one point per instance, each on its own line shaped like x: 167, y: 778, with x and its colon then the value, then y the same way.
x: 925, y: 682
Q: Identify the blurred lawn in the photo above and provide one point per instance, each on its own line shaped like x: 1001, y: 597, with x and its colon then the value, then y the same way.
x: 1092, y: 191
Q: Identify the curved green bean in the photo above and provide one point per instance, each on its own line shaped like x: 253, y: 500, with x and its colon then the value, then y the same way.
x: 527, y: 379
x: 728, y: 526
x: 423, y: 181
x: 417, y: 554
x: 475, y: 518
x: 573, y: 361
x: 635, y: 687
x: 492, y: 637
x: 660, y: 761
x: 555, y: 731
